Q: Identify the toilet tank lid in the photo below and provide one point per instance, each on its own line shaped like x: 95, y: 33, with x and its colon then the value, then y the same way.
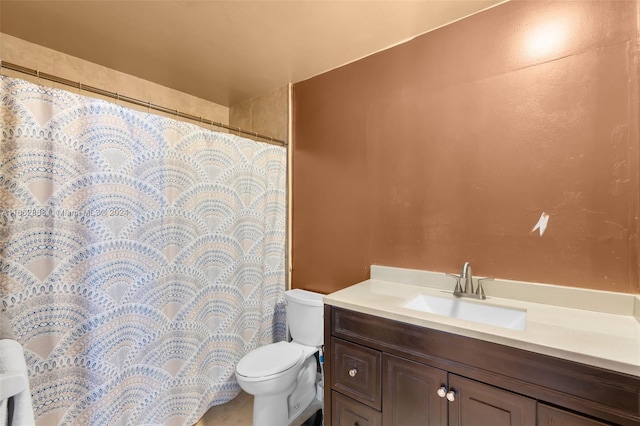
x: 304, y: 297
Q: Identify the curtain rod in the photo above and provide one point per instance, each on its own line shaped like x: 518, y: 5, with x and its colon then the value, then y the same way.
x: 149, y: 105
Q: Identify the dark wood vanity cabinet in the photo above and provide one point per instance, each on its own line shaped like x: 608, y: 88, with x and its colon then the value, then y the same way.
x: 410, y: 395
x: 384, y: 372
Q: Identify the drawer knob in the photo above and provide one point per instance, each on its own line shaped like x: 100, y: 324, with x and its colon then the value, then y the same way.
x: 353, y: 372
x: 451, y: 395
x: 442, y: 391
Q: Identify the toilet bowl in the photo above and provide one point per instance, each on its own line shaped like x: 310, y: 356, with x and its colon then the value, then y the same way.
x: 282, y: 376
x: 273, y: 368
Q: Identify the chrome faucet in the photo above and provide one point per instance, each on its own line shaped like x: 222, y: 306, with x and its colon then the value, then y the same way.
x: 467, y: 278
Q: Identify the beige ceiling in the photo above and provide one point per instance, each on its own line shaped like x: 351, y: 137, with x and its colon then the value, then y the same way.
x: 226, y: 51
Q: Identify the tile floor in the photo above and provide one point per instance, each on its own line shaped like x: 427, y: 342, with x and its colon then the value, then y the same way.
x: 239, y: 412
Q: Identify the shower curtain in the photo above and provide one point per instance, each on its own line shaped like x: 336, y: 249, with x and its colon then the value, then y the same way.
x: 140, y: 257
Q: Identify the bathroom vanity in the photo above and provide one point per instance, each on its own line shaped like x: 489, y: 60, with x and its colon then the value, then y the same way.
x: 386, y: 364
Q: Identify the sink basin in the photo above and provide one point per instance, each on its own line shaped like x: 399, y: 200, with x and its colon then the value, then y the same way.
x: 480, y: 311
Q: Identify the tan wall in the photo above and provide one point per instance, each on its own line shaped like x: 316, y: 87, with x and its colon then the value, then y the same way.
x: 267, y: 114
x: 49, y: 61
x: 448, y: 148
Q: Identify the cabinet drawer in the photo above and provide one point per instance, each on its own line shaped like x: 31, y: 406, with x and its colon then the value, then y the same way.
x: 346, y: 411
x: 356, y: 372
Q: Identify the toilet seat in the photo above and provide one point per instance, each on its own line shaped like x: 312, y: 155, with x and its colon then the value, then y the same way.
x: 270, y: 360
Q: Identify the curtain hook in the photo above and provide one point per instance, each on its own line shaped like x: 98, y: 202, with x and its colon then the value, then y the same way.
x: 203, y: 124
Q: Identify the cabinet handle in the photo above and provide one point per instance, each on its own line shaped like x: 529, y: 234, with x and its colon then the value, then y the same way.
x: 442, y: 391
x: 353, y: 372
x: 451, y: 395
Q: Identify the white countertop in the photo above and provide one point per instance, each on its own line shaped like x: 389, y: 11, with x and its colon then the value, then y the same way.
x: 588, y: 326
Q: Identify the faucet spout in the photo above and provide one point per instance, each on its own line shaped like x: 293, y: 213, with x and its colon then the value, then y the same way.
x: 466, y: 276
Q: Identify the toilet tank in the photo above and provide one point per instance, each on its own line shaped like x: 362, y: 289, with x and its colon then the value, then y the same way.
x: 305, y: 317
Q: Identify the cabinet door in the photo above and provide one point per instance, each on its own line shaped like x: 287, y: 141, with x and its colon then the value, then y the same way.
x: 551, y: 416
x: 478, y: 404
x: 410, y: 393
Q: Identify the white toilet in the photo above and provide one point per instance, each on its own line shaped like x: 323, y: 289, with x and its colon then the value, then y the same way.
x: 282, y: 376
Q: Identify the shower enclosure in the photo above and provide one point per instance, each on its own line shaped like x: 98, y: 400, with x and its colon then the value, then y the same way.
x: 140, y: 257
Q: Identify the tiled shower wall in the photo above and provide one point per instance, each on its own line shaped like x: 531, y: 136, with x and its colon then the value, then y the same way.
x: 266, y: 114
x: 50, y: 61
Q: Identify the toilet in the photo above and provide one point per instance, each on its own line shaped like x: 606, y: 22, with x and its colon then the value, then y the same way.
x: 282, y: 376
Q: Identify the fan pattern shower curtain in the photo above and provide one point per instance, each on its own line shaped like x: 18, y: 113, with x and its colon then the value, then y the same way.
x: 140, y: 257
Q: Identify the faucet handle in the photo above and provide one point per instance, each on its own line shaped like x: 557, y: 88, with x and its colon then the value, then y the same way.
x: 479, y: 290
x: 458, y: 288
